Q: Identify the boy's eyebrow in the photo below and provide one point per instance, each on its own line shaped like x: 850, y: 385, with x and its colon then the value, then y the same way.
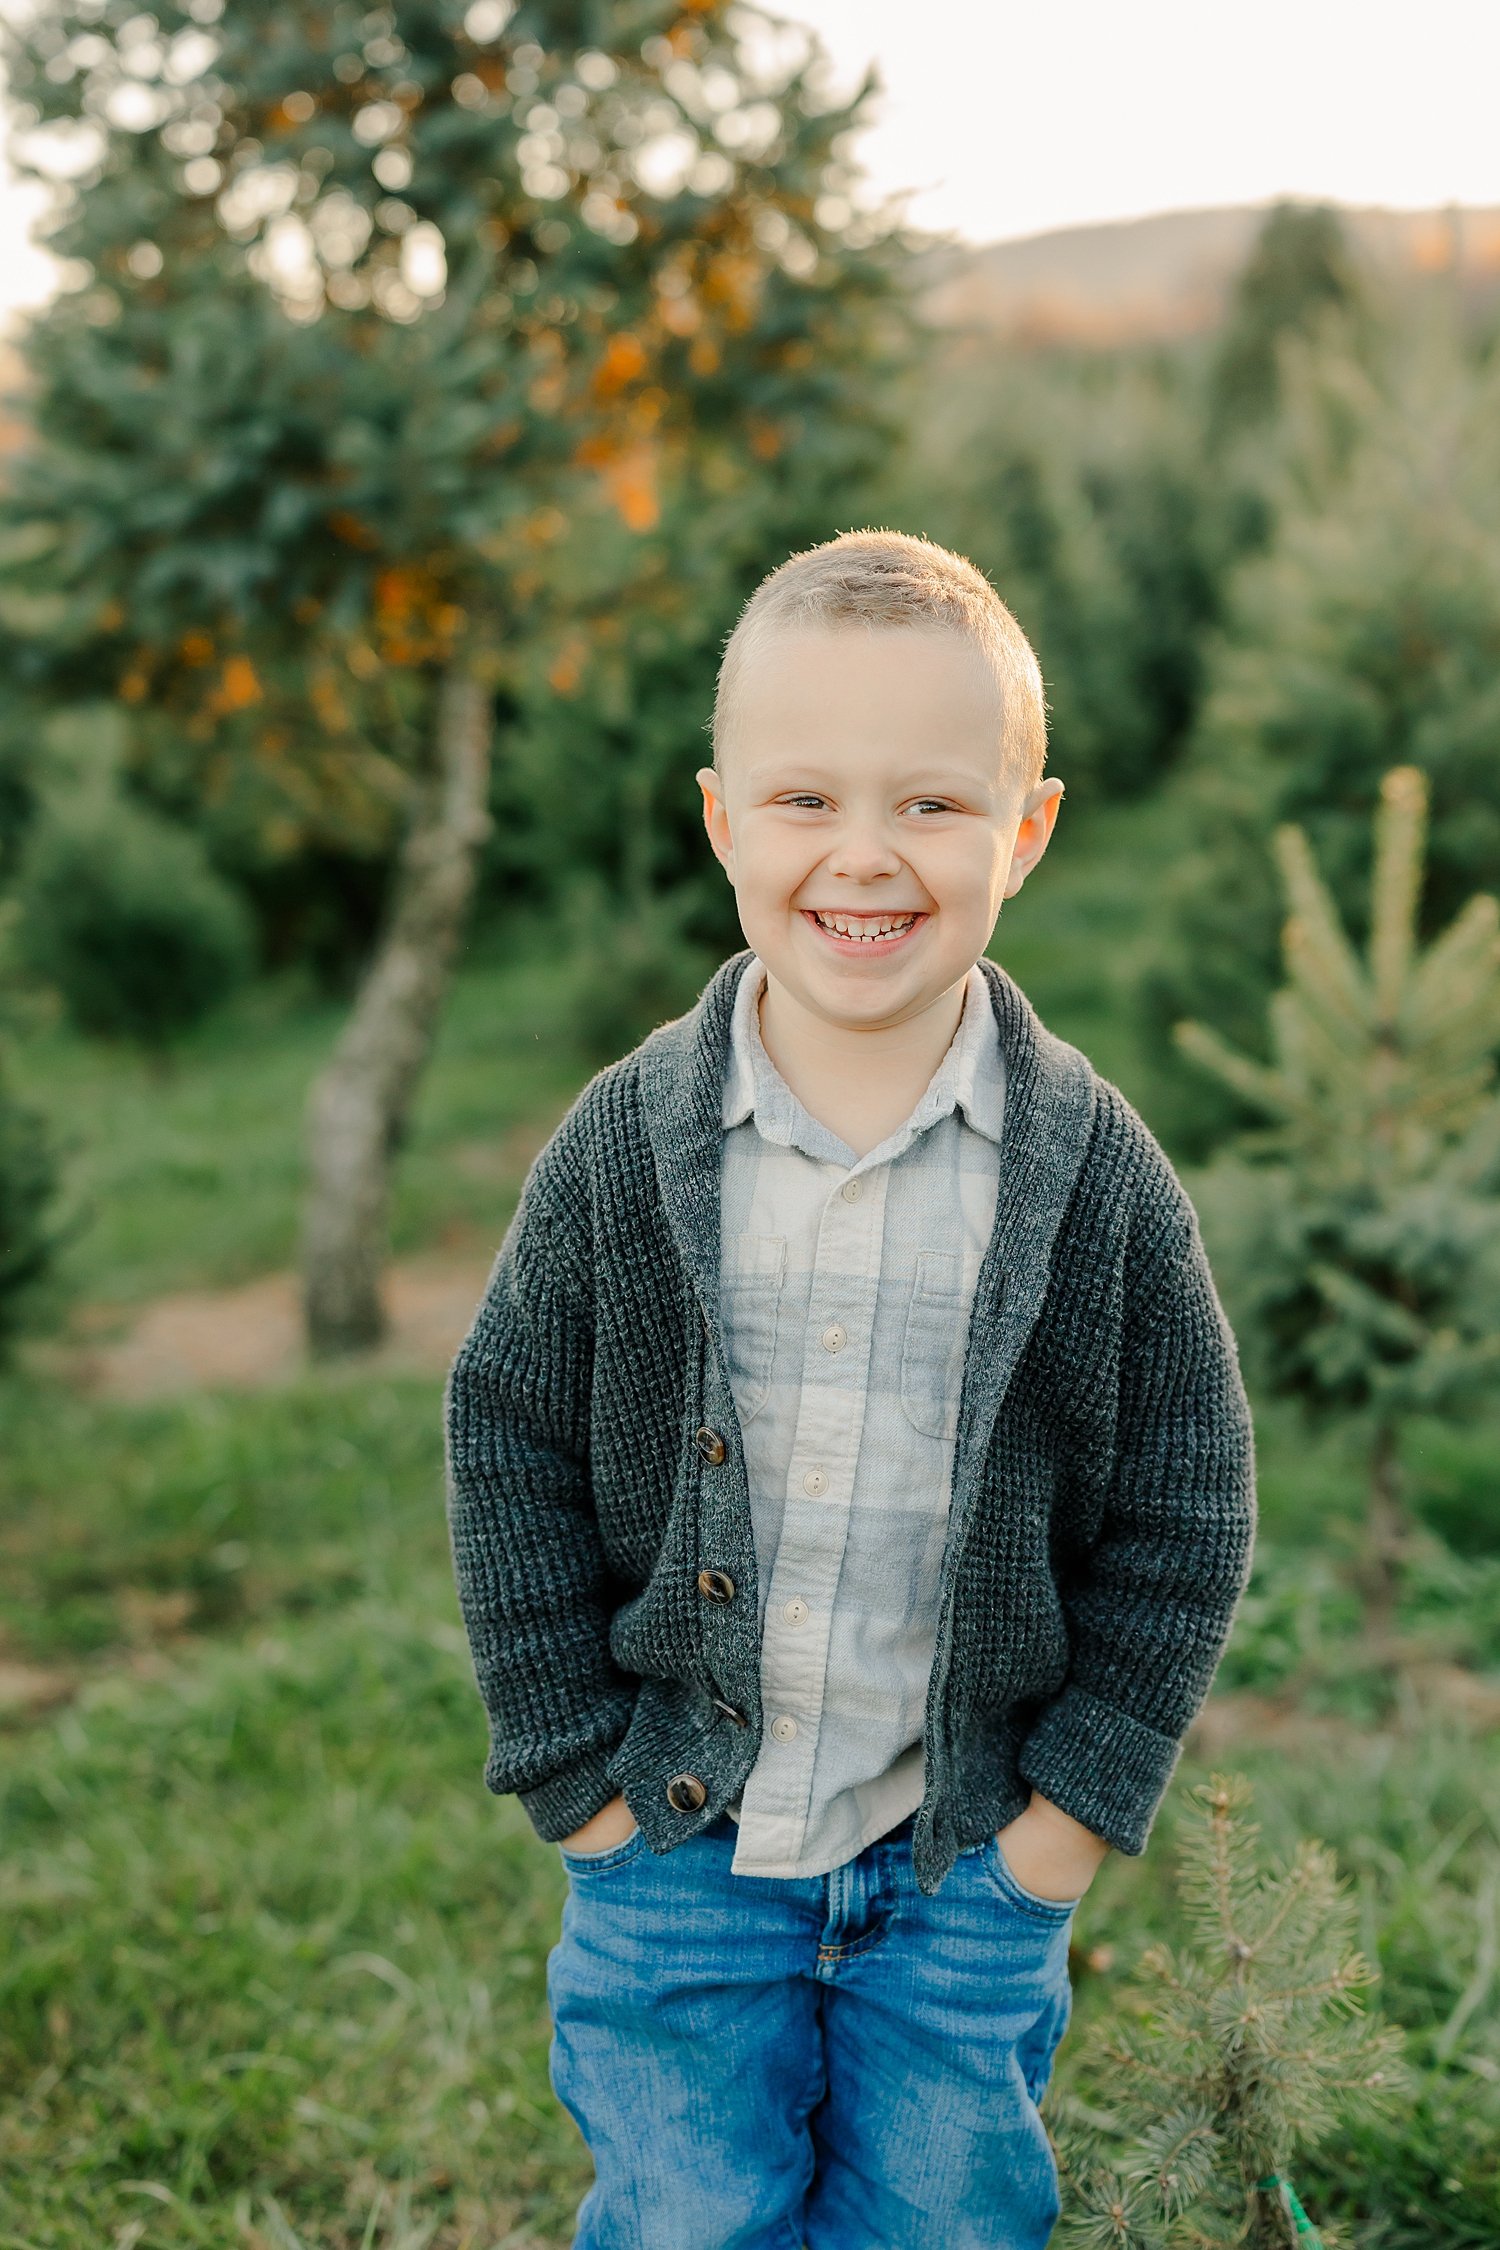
x: 944, y: 781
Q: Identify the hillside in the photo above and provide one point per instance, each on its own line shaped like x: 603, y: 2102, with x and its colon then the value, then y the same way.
x: 1168, y: 275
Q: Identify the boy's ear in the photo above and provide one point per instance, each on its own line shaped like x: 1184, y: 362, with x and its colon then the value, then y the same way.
x: 716, y: 817
x: 1038, y: 819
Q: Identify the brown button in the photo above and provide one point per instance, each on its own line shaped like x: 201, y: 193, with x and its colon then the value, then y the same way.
x: 685, y: 1792
x: 709, y: 1444
x: 730, y: 1712
x: 716, y: 1585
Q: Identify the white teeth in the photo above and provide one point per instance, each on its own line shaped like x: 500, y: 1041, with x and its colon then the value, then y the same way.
x: 866, y: 926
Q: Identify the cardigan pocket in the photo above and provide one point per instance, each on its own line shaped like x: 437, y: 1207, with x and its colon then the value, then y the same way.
x: 752, y: 1272
x: 937, y: 1338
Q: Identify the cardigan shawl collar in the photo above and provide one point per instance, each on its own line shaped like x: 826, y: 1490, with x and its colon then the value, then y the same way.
x: 1049, y: 1107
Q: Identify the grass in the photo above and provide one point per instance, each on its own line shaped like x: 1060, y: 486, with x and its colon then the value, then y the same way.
x: 274, y: 1971
x: 194, y: 1180
x: 276, y: 1961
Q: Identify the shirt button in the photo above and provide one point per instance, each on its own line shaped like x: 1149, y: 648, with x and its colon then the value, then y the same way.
x: 835, y: 1336
x: 795, y: 1611
x: 815, y: 1483
x: 852, y: 1190
x: 784, y: 1728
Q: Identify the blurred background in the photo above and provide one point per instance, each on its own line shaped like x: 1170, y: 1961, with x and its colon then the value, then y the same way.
x: 396, y: 405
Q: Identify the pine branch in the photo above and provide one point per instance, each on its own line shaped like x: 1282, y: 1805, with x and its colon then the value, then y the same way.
x: 1264, y: 1089
x: 1313, y: 909
x: 1459, y: 966
x: 1400, y: 831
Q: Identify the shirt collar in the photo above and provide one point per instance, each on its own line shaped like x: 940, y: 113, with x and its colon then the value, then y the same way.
x: 970, y: 1077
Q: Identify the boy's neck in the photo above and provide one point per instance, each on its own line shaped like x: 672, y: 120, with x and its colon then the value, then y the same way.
x: 861, y: 1084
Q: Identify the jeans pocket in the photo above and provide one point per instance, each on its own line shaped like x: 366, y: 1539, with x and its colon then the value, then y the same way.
x: 996, y: 1865
x: 600, y: 1863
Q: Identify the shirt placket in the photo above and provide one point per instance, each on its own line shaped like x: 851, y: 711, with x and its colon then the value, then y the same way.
x: 834, y: 1389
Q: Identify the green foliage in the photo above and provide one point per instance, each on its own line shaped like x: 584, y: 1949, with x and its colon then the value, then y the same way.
x: 1367, y: 635
x: 1298, y: 1631
x: 1238, y: 2046
x: 1299, y: 276
x: 123, y: 915
x: 1365, y: 1243
x: 1362, y: 1229
x: 631, y: 966
x: 32, y: 1227
x: 28, y: 1207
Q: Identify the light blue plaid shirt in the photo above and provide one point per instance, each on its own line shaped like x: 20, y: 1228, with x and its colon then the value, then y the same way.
x: 847, y: 1287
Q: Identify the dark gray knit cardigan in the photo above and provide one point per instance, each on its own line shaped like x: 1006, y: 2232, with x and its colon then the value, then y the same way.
x: 1103, y: 1500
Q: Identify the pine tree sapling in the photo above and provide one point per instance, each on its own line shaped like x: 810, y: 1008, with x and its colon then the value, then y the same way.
x: 1362, y: 1227
x: 1237, y: 2048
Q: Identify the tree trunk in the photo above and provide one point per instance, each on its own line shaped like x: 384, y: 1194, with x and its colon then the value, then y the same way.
x: 360, y: 1103
x: 1385, y: 1546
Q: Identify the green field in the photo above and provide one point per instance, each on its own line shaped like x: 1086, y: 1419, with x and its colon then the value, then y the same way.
x: 273, y: 1962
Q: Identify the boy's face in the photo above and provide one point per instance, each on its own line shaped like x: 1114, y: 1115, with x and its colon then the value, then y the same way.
x: 864, y: 781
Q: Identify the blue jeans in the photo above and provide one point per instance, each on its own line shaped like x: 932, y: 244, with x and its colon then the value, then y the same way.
x: 835, y: 2061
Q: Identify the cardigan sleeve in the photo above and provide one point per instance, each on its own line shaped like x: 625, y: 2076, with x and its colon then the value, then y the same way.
x: 527, y: 1555
x: 1149, y: 1616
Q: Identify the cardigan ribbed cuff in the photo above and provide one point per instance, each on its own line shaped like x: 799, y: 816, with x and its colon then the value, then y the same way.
x: 1100, y: 1765
x: 556, y: 1807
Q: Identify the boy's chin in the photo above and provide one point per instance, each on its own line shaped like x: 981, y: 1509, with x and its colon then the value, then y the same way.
x: 854, y: 995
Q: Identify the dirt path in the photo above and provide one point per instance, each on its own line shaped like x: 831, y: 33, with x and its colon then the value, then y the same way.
x: 250, y: 1338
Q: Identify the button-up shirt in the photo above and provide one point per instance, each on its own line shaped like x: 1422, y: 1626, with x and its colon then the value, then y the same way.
x: 847, y: 1287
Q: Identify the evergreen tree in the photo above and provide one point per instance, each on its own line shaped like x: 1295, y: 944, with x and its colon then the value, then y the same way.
x: 1234, y: 2050
x: 1362, y: 1227
x: 402, y: 341
x: 1299, y: 276
x: 1366, y: 636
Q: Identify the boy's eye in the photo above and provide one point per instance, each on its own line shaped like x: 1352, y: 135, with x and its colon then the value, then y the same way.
x: 806, y: 798
x: 938, y: 804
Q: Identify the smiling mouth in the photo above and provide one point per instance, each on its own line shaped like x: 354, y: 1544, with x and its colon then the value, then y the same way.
x: 864, y: 929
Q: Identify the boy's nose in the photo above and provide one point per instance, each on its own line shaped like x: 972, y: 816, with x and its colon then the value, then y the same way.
x: 862, y: 851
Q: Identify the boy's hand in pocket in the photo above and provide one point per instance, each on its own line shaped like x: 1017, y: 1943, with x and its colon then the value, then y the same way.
x: 611, y: 1824
x: 1050, y: 1852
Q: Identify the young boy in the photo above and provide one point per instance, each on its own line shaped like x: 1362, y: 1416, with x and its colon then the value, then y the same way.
x: 851, y: 1481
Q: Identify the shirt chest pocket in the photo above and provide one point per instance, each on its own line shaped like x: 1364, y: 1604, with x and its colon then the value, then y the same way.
x: 753, y: 1268
x: 936, y: 1340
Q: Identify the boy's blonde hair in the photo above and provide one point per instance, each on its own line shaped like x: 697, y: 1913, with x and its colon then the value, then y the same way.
x: 894, y: 578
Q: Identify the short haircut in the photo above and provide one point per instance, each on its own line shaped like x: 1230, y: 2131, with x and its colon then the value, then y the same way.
x: 875, y: 578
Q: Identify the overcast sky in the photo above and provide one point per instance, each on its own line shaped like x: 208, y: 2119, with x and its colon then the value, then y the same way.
x: 1008, y: 118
